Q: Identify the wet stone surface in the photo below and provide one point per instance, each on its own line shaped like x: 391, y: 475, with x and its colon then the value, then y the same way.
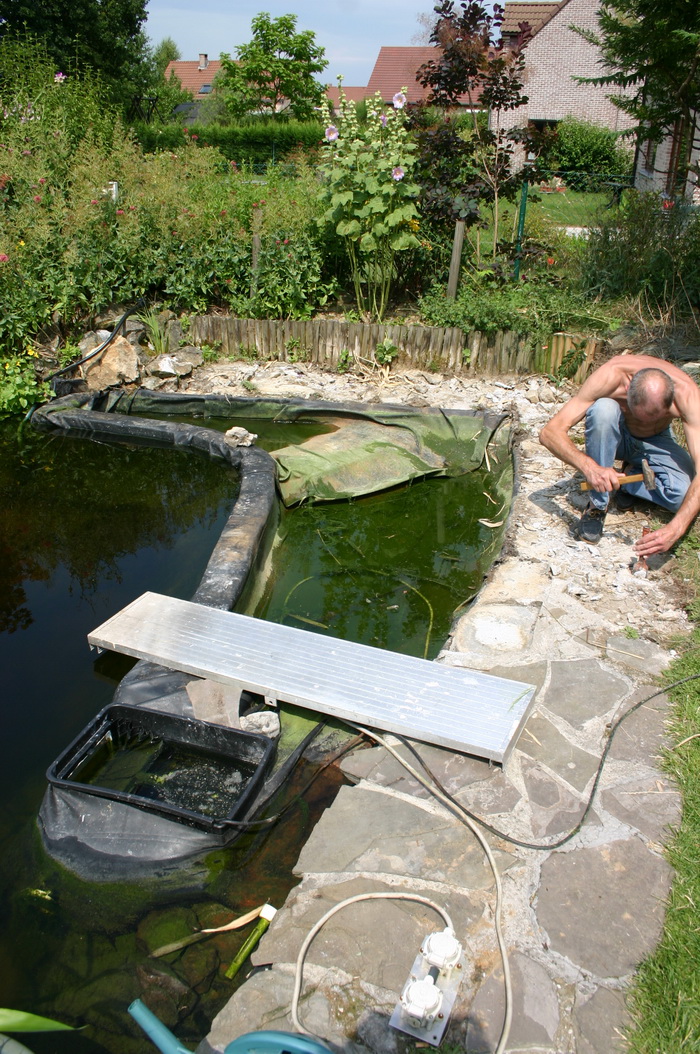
x: 572, y: 619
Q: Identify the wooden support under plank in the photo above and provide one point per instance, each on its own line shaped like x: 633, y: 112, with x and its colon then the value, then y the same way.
x: 461, y: 709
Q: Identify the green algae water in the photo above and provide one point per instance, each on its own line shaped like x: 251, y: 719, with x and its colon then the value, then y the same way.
x: 84, y: 529
x: 388, y: 570
x: 157, y: 771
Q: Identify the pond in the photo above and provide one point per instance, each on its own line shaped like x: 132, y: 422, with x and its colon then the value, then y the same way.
x: 84, y: 529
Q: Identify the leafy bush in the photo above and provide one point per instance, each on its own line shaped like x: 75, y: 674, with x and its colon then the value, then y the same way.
x: 650, y: 246
x: 536, y: 308
x: 581, y: 146
x: 245, y: 142
x: 19, y: 387
x: 290, y: 280
x: 87, y: 220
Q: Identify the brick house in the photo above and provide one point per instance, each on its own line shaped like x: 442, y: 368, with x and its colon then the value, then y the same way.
x: 554, y: 56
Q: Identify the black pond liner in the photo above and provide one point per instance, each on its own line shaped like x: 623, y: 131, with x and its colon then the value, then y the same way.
x: 175, y: 748
x: 100, y: 834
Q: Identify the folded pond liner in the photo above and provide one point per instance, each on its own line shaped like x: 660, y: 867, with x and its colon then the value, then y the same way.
x: 371, y: 447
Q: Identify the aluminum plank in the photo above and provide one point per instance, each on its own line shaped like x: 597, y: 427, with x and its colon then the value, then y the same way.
x: 464, y: 710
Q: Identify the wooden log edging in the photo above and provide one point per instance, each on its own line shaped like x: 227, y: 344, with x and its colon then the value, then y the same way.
x: 326, y: 342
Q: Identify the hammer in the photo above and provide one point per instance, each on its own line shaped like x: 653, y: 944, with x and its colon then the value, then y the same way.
x: 647, y: 474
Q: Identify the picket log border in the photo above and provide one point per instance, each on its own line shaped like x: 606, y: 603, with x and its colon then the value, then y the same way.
x: 323, y: 343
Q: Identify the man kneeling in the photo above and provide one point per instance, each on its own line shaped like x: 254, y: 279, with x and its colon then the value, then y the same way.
x: 629, y: 404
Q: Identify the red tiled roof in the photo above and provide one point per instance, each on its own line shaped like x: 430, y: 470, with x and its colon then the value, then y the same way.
x: 536, y: 12
x: 194, y: 75
x: 352, y: 94
x: 396, y: 68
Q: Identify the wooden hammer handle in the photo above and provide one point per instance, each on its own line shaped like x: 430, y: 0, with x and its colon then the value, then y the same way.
x: 637, y: 478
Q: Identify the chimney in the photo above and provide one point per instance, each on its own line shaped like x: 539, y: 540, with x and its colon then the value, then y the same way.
x: 203, y: 61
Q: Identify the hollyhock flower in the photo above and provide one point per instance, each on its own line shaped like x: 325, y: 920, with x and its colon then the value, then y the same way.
x: 399, y: 100
x: 383, y: 119
x: 332, y: 133
x: 397, y: 173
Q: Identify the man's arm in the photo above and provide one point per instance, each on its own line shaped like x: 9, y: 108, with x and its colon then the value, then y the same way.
x: 555, y: 434
x: 662, y: 540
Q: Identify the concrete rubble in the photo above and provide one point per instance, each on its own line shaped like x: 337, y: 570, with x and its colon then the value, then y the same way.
x: 577, y: 917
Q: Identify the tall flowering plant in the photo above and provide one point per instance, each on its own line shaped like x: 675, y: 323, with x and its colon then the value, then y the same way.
x: 368, y: 195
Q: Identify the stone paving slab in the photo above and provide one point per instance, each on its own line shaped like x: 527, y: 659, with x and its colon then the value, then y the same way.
x: 602, y: 907
x: 577, y: 920
x: 376, y: 832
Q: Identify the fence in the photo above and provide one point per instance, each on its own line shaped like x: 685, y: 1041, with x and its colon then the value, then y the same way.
x: 330, y: 343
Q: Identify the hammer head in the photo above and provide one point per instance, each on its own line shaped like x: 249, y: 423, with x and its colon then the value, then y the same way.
x: 649, y: 475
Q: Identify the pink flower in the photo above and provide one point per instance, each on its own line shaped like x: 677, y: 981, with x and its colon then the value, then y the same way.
x: 331, y: 133
x: 42, y: 181
x: 397, y: 173
x: 37, y: 198
x: 194, y: 137
x: 383, y: 118
x: 59, y: 78
x: 4, y: 257
x: 93, y: 201
x: 120, y: 212
x: 399, y: 100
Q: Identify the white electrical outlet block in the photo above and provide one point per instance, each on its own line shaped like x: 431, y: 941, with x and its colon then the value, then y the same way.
x: 429, y: 994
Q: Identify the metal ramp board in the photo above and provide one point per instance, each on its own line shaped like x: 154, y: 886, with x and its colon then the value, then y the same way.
x: 461, y: 709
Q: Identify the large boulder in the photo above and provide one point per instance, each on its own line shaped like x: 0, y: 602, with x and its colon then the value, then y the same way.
x: 118, y: 364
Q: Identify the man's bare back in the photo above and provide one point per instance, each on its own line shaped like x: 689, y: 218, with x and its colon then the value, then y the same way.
x: 612, y: 381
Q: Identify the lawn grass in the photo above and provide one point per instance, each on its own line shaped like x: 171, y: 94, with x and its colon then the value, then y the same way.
x: 665, y: 995
x: 570, y: 208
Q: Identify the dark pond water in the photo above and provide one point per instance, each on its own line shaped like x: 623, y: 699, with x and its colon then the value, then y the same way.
x: 84, y: 529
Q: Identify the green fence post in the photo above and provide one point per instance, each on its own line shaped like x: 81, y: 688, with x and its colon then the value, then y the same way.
x: 521, y: 228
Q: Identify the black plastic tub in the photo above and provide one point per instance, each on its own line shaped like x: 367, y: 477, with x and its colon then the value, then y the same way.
x: 196, y: 773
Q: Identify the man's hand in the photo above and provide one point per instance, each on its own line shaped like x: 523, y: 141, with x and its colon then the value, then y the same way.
x: 657, y: 541
x: 601, y: 479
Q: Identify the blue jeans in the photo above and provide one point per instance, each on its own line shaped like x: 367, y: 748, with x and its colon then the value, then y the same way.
x: 607, y: 438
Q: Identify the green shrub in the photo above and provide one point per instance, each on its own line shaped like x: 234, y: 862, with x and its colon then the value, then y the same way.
x: 649, y: 247
x: 290, y: 280
x: 245, y: 142
x: 19, y: 387
x: 581, y: 146
x: 535, y: 308
x: 87, y: 220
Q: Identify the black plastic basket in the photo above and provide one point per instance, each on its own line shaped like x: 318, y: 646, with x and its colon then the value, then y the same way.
x: 227, y: 752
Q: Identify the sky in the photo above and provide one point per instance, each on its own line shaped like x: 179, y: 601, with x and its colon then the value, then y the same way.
x: 351, y: 31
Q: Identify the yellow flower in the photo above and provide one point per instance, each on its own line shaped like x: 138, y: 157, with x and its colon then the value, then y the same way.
x: 20, y: 244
